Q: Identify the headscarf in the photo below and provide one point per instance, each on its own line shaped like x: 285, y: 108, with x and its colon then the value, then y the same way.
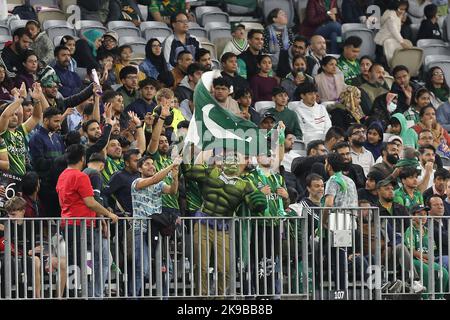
x: 375, y: 149
x: 91, y: 36
x: 158, y: 61
x: 48, y: 78
x: 347, y: 98
x: 273, y: 42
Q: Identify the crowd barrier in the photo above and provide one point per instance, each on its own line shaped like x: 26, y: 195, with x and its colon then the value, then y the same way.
x: 317, y: 253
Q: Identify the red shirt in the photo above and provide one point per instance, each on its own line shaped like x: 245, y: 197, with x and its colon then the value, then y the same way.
x: 73, y: 186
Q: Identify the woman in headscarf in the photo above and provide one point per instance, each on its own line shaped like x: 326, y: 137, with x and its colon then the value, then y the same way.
x: 154, y: 65
x: 348, y: 111
x: 374, y: 141
x: 277, y: 36
x: 86, y: 49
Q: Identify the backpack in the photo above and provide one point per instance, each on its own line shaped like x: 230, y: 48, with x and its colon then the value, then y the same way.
x: 25, y: 12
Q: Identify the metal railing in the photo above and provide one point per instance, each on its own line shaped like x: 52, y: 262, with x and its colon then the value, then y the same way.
x: 320, y: 253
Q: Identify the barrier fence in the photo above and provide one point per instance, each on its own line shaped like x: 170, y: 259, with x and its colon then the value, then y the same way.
x: 320, y: 253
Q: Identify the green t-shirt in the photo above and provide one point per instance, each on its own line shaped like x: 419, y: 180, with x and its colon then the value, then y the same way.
x: 16, y: 145
x: 161, y: 162
x: 193, y: 196
x: 350, y: 69
x: 167, y: 8
x: 403, y: 198
x: 111, y: 167
x: 275, y: 207
x: 414, y: 243
x: 290, y: 120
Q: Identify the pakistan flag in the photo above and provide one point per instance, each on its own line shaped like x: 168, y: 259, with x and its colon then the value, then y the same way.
x: 213, y: 126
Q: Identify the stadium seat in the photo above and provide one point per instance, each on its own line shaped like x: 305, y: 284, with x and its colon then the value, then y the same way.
x: 252, y: 25
x: 154, y: 29
x: 262, y: 106
x: 124, y: 28
x: 45, y: 3
x: 215, y: 17
x: 423, y: 43
x: 389, y: 80
x: 84, y: 25
x: 56, y: 28
x: 286, y: 5
x: 50, y: 14
x: 368, y: 45
x: 56, y: 23
x: 198, y: 32
x: 235, y: 9
x: 57, y: 40
x: 414, y: 30
x: 220, y: 44
x: 200, y: 11
x: 433, y: 59
x: 411, y: 58
x: 4, y: 31
x: 137, y: 43
x: 436, y: 49
x: 15, y: 24
x: 299, y: 145
x: 301, y: 9
x: 82, y: 72
x: 3, y: 40
x: 192, y: 24
x: 211, y: 47
x: 444, y: 65
x: 216, y: 64
x: 144, y: 11
x: 218, y: 30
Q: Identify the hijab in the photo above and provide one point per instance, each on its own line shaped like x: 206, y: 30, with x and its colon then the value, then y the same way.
x: 91, y: 36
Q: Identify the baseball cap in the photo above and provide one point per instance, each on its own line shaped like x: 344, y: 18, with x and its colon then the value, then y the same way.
x: 417, y: 208
x: 268, y: 115
x: 392, y: 138
x: 112, y: 34
x: 278, y: 90
x: 236, y: 26
x: 48, y: 78
x: 385, y: 182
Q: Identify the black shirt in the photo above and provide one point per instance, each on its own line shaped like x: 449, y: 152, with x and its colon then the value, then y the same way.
x: 120, y: 188
x: 363, y: 194
x: 250, y: 61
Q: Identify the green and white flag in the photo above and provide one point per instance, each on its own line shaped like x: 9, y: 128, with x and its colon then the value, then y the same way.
x: 213, y: 126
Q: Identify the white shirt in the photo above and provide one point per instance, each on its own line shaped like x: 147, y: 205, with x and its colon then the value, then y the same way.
x: 422, y: 174
x: 364, y: 159
x: 288, y: 158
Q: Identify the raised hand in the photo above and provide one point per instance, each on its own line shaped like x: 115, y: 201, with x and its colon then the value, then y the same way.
x: 36, y: 93
x: 148, y: 119
x: 23, y: 90
x: 134, y: 118
x: 108, y: 110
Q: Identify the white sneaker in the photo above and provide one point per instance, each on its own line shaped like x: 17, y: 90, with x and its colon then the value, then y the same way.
x: 418, y: 287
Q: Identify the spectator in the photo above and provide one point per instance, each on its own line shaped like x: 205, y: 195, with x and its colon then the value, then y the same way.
x: 70, y: 81
x: 129, y: 89
x: 125, y: 55
x: 333, y: 136
x: 86, y: 49
x: 184, y: 60
x: 154, y: 65
x: 356, y: 136
x: 322, y: 18
x: 203, y: 57
x: 436, y: 83
x: 239, y: 43
x: 185, y: 90
x: 248, y: 60
x: 244, y: 98
x: 350, y: 112
x: 5, y: 84
x: 42, y: 44
x: 30, y: 190
x: 316, y: 52
x: 10, y: 55
x: 330, y: 80
x: 399, y: 127
x: 290, y: 155
x: 429, y: 27
x: 354, y: 11
x: 315, y: 187
x: 403, y: 87
x: 110, y: 45
x: 408, y: 195
x: 348, y: 62
x: 390, y: 156
x: 277, y: 36
x: 97, y: 140
x: 426, y: 160
x: 145, y: 104
x: 441, y: 138
x: 46, y: 146
x: 69, y: 42
x: 95, y: 10
x: 181, y: 40
x: 262, y: 84
x: 162, y: 11
x: 374, y: 142
x: 372, y: 89
x: 282, y: 113
x: 426, y: 138
x: 312, y: 163
x: 389, y: 36
x: 28, y: 71
x: 14, y: 133
x: 370, y: 192
x: 114, y: 159
x: 76, y: 198
x: 447, y: 199
x: 440, y: 179
x: 75, y: 120
x: 221, y: 92
x: 146, y: 193
x: 364, y: 76
x: 286, y: 60
x: 352, y: 170
x: 421, y: 100
x: 437, y: 210
x: 107, y: 75
x: 416, y: 239
x: 296, y: 77
x: 229, y: 71
x: 313, y: 117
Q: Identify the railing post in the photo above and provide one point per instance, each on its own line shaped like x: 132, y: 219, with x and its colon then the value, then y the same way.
x: 377, y: 254
x: 8, y: 261
x: 431, y: 284
x: 232, y: 258
x: 305, y: 262
x: 83, y: 262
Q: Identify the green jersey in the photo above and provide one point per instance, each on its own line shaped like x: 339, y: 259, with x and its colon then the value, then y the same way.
x: 350, y: 69
x: 275, y: 207
x: 111, y: 167
x: 16, y: 145
x: 161, y: 162
x: 167, y: 7
x: 193, y: 196
x: 403, y: 198
x: 413, y: 239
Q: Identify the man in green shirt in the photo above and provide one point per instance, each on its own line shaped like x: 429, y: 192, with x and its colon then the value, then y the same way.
x: 13, y: 133
x: 348, y: 62
x: 161, y: 10
x: 408, y: 195
x: 114, y: 159
x: 282, y: 113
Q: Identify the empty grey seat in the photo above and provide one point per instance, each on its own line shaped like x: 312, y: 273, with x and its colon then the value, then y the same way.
x: 200, y: 11
x: 4, y: 31
x: 48, y: 24
x: 193, y: 24
x: 3, y: 40
x: 124, y: 28
x: 56, y: 28
x: 82, y: 72
x: 136, y: 43
x: 14, y: 24
x: 45, y: 3
x: 422, y: 43
x: 85, y: 25
x: 198, y: 32
x: 155, y: 29
x: 218, y: 30
x: 436, y: 49
x: 215, y: 17
x: 432, y: 60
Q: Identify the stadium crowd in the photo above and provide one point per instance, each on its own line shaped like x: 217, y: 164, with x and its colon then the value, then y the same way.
x: 102, y: 145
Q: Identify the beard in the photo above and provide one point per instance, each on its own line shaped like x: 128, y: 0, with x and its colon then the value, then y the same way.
x: 358, y: 143
x: 392, y: 159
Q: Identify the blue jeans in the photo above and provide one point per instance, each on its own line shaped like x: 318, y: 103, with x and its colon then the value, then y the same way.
x: 444, y: 261
x: 100, y: 243
x: 142, y: 268
x: 330, y: 31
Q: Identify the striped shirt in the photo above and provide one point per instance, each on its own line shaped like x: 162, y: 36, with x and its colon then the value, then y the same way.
x: 15, y: 142
x: 111, y: 167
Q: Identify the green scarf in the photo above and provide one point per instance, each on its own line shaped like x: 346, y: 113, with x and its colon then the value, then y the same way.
x: 340, y: 180
x: 441, y: 94
x: 327, y: 4
x: 407, y: 163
